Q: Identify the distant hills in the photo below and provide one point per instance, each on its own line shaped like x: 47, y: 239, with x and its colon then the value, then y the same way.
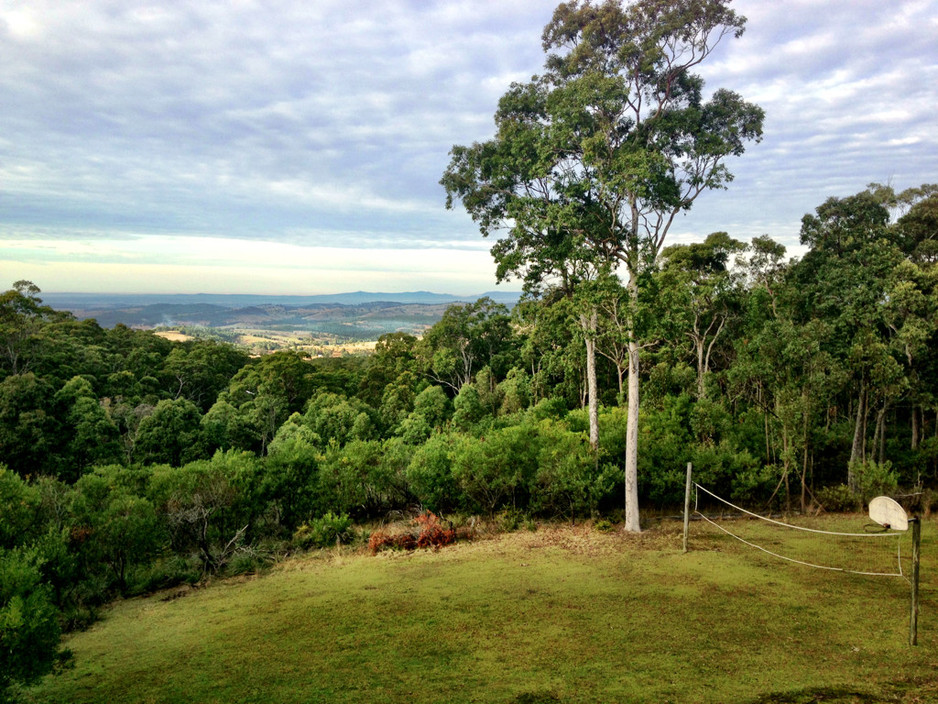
x: 360, y: 315
x: 80, y: 301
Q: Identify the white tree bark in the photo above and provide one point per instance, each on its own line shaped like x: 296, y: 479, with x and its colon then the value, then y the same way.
x: 589, y: 329
x: 632, y: 523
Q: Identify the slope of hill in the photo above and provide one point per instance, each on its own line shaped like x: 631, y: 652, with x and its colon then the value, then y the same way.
x: 353, y: 316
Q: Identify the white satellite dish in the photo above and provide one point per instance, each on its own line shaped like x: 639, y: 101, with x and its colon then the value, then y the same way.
x: 887, y: 512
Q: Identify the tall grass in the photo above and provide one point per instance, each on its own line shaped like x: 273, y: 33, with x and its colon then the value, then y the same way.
x: 563, y: 614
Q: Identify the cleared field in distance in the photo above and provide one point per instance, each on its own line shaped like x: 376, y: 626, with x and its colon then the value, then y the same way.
x: 563, y: 614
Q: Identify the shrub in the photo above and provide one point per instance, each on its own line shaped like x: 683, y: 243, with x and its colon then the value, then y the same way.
x: 496, y: 470
x: 364, y: 478
x: 330, y: 529
x: 875, y: 479
x: 29, y: 621
x: 603, y: 525
x: 429, y: 474
x: 163, y: 573
x: 509, y: 520
x: 246, y: 561
x: 382, y: 540
x: 430, y: 533
x: 838, y: 498
x: 753, y: 483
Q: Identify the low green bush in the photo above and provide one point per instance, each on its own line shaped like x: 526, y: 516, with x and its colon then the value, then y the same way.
x: 325, y: 531
x: 875, y: 479
x: 603, y: 525
x: 838, y: 498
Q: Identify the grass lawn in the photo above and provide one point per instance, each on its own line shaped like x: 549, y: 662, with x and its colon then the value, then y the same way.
x: 563, y: 614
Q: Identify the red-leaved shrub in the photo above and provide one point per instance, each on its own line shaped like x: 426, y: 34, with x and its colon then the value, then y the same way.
x: 430, y: 534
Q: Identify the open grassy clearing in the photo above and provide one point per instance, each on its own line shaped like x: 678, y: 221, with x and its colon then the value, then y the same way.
x: 564, y: 614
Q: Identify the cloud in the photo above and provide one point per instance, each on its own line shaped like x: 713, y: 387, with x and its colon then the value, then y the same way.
x: 848, y: 95
x: 185, y: 264
x: 329, y: 123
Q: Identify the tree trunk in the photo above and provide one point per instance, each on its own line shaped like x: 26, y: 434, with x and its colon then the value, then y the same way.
x: 856, y: 450
x: 786, y: 466
x: 768, y: 443
x: 880, y: 434
x: 865, y: 432
x: 915, y: 427
x: 804, y: 464
x: 632, y: 523
x: 699, y: 343
x: 589, y: 328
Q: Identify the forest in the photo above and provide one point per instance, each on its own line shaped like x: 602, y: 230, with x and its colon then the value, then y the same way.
x: 132, y: 463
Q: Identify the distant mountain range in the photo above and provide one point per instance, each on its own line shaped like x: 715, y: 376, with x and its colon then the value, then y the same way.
x: 356, y: 316
x: 81, y: 301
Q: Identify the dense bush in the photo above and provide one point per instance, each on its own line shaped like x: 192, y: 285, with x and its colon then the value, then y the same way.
x: 326, y: 531
x: 875, y: 479
x: 430, y: 472
x: 29, y: 620
x: 426, y: 532
x: 568, y: 481
x: 497, y: 468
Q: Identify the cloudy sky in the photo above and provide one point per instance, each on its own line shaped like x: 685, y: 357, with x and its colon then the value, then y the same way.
x: 295, y: 146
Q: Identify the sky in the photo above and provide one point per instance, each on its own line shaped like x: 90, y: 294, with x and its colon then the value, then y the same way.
x: 296, y: 146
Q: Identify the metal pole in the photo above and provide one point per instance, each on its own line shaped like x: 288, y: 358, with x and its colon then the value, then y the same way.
x: 916, y: 543
x: 687, y: 505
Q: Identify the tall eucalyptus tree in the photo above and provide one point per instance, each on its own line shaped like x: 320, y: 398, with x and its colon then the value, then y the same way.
x: 593, y: 160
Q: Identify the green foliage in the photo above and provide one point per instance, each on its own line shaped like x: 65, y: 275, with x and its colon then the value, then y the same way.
x: 19, y: 515
x: 227, y: 427
x: 393, y: 356
x: 603, y: 525
x: 515, y: 391
x: 208, y: 505
x: 326, y: 531
x: 171, y: 434
x: 431, y: 412
x: 568, y: 481
x: 838, y: 498
x: 92, y: 436
x: 28, y: 427
x: 430, y: 472
x: 290, y: 482
x: 201, y: 369
x: 29, y: 625
x: 397, y: 401
x: 119, y: 526
x: 667, y: 447
x: 334, y: 417
x: 467, y: 338
x: 469, y: 409
x: 497, y: 469
x: 874, y: 479
x: 729, y: 472
x: 364, y: 478
x: 753, y: 483
x: 666, y: 380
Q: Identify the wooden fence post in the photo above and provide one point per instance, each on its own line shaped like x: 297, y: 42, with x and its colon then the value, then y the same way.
x: 916, y: 544
x: 687, y: 505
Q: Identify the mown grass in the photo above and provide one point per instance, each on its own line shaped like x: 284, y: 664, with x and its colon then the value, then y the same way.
x: 563, y: 614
